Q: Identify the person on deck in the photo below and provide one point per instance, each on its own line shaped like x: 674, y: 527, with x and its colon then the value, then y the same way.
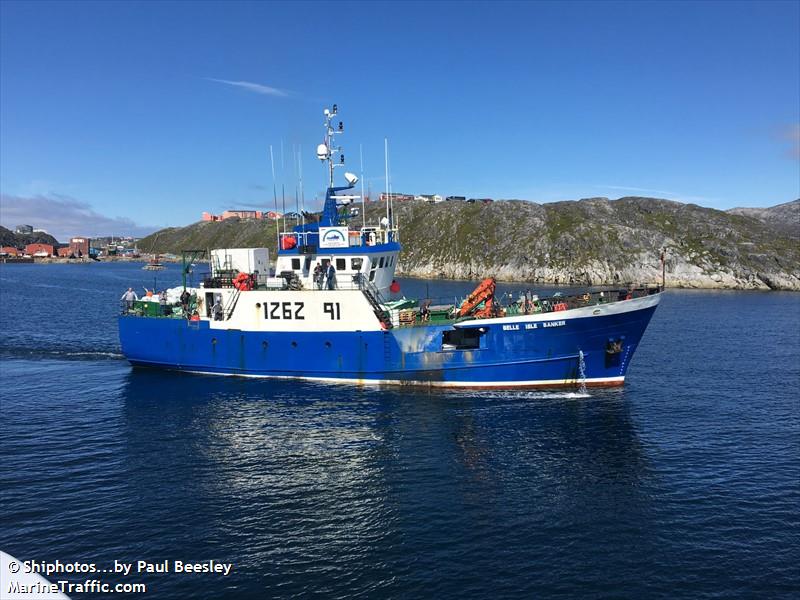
x: 185, y: 296
x: 318, y: 276
x: 216, y: 310
x: 129, y: 297
x: 424, y: 312
x: 331, y: 277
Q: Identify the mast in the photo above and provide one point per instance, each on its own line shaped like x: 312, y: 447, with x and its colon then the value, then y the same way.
x: 330, y: 214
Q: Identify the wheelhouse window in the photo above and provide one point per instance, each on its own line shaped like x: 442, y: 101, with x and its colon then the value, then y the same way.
x: 357, y: 263
x: 373, y: 263
x: 341, y: 264
x: 295, y: 264
x: 380, y: 264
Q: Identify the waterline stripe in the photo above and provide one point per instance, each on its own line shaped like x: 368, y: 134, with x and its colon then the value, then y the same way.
x: 592, y: 382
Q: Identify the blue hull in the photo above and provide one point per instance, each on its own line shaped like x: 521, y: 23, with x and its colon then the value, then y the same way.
x: 506, y: 357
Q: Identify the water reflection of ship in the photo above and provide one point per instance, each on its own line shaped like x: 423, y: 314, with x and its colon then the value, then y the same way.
x: 297, y: 462
x: 557, y: 439
x: 297, y: 466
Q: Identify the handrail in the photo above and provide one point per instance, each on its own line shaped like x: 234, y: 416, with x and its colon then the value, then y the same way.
x: 231, y: 305
x: 557, y: 302
x: 357, y: 237
x: 374, y: 297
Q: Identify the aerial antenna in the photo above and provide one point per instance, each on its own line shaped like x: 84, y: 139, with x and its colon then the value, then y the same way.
x: 363, y: 201
x: 386, y: 167
x: 296, y: 194
x: 302, y: 194
x: 283, y: 190
x: 274, y: 195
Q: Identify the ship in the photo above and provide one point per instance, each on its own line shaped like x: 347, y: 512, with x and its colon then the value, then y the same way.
x: 154, y: 264
x: 325, y: 312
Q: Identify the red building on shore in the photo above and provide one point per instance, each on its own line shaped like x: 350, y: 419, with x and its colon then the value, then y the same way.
x: 39, y: 250
x: 239, y: 214
x: 78, y: 246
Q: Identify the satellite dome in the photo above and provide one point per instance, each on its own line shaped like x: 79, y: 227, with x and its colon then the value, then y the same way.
x: 322, y: 152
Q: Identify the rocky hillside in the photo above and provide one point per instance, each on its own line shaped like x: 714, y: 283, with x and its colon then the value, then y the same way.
x: 785, y: 217
x: 595, y: 241
x: 20, y: 240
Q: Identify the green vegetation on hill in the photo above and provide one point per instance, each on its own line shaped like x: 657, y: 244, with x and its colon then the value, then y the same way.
x: 595, y: 240
x: 20, y: 240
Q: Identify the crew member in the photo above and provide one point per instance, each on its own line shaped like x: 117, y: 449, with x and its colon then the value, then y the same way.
x: 129, y: 297
x: 331, y: 276
x: 185, y: 296
x: 318, y: 276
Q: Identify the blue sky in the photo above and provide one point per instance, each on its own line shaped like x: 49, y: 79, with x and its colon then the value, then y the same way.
x: 117, y: 115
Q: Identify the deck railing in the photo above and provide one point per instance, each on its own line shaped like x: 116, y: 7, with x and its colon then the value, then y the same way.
x: 364, y: 236
x: 525, y: 305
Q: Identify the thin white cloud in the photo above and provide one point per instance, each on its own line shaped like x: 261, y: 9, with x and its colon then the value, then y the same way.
x: 661, y: 194
x: 624, y: 188
x: 257, y: 88
x: 791, y: 134
x: 64, y: 217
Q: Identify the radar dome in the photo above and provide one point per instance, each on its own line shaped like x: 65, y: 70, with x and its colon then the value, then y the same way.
x: 322, y: 152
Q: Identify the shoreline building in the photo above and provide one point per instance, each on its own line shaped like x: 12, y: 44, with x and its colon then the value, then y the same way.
x: 41, y: 250
x: 395, y: 197
x: 79, y: 246
x: 231, y: 214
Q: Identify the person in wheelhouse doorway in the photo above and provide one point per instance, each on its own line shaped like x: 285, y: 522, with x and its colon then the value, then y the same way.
x: 331, y: 276
x: 319, y: 276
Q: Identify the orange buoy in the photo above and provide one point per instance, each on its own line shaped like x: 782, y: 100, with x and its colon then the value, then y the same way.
x: 243, y: 282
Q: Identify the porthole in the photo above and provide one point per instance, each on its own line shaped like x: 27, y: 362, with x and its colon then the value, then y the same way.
x: 327, y: 344
x: 258, y: 304
x: 213, y: 341
x: 294, y: 344
x: 265, y: 345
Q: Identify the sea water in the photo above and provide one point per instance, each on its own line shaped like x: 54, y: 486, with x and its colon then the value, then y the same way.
x: 686, y: 483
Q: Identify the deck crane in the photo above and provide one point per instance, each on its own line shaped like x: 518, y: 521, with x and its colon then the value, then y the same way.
x: 483, y: 294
